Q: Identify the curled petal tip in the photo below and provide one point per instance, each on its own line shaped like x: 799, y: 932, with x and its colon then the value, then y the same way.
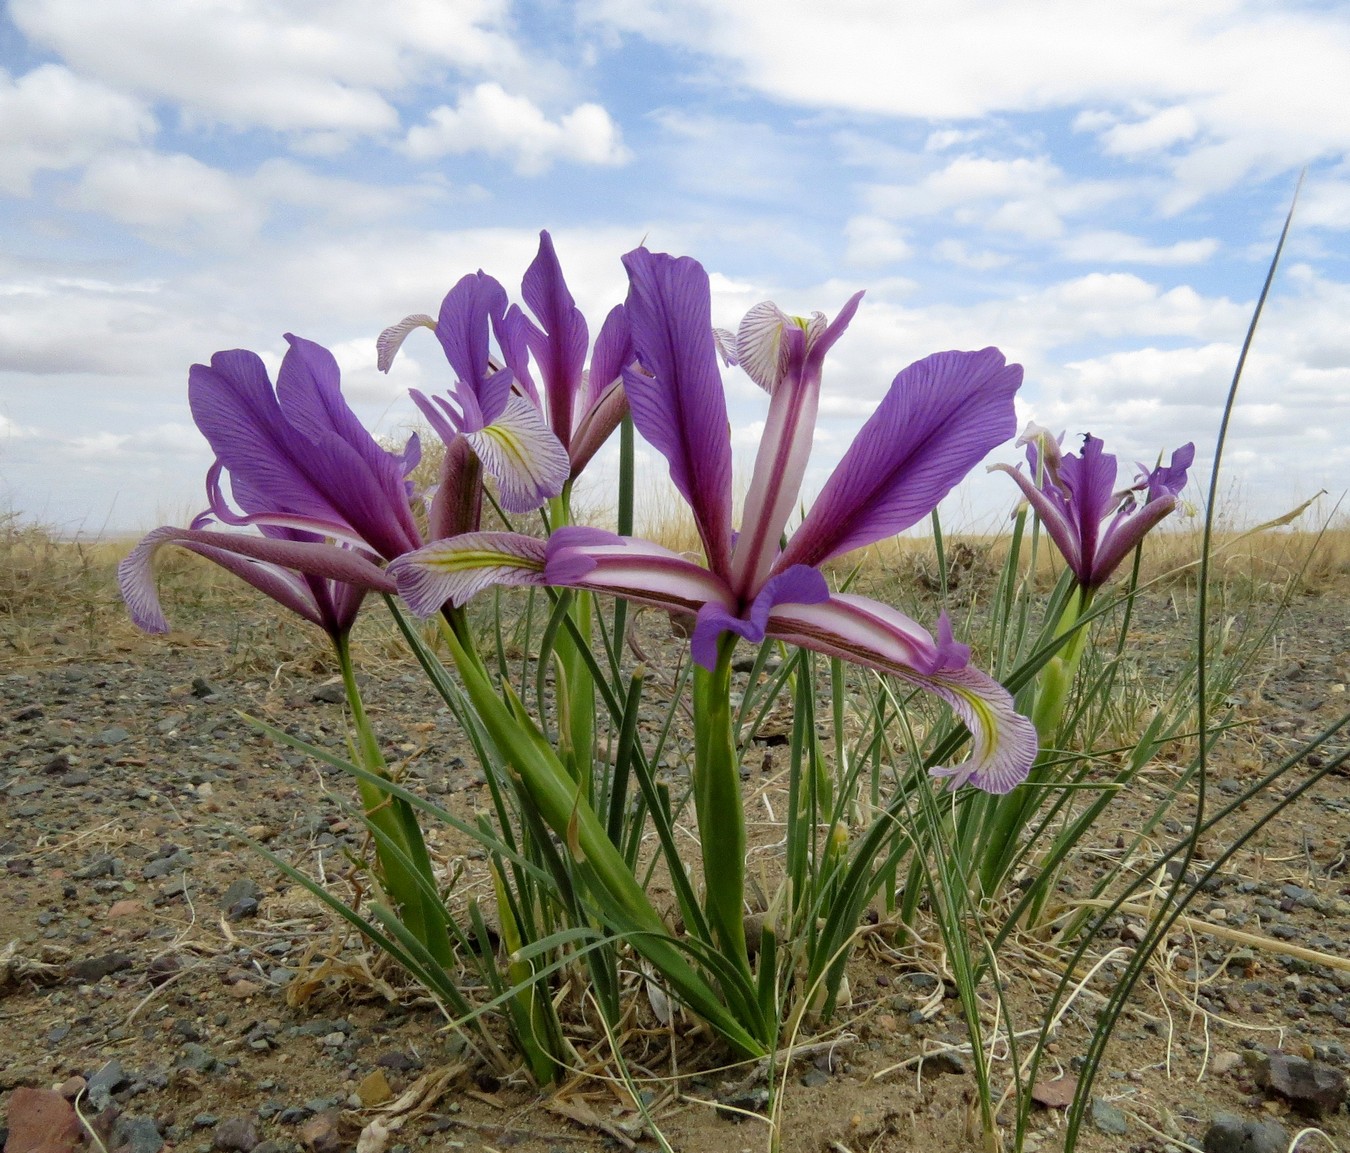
x: 391, y: 339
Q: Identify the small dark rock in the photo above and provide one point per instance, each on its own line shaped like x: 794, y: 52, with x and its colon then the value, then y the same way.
x: 948, y: 1061
x: 104, y: 1083
x: 136, y: 1135
x: 333, y: 694
x: 31, y: 713
x: 197, y: 1059
x: 235, y: 1135
x: 242, y: 908
x: 1312, y: 1087
x: 201, y: 687
x: 96, y: 968
x: 814, y: 1078
x: 1231, y: 1134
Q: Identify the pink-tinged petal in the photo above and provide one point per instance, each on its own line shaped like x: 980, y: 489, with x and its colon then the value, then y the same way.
x: 869, y: 633
x: 1003, y: 742
x: 597, y: 424
x: 677, y: 402
x: 457, y: 506
x: 391, y: 339
x: 613, y: 353
x: 860, y: 630
x: 560, y: 348
x: 262, y: 562
x: 941, y: 416
x: 136, y: 580
x: 467, y: 315
x: 641, y: 571
x: 525, y: 457
x: 785, y: 446
x: 452, y: 571
x: 800, y: 585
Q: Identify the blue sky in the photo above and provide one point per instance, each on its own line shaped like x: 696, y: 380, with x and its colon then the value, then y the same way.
x: 1094, y: 188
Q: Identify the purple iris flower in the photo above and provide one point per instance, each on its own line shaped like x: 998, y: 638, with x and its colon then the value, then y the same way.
x: 582, y: 406
x: 1074, y: 496
x: 327, y: 499
x: 939, y: 418
x: 533, y: 445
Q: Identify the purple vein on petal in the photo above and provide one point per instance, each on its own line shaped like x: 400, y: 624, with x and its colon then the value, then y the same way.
x: 941, y: 416
x: 677, y: 402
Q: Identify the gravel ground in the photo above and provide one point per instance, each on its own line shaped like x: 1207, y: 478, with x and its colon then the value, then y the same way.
x: 188, y: 996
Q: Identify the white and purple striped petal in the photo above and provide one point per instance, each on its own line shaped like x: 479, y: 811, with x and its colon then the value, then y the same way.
x: 525, y: 457
x: 453, y: 570
x: 785, y: 447
x: 869, y: 633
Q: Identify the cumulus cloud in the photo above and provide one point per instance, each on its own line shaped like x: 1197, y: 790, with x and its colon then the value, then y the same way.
x: 1262, y: 84
x: 873, y: 241
x: 285, y: 65
x: 166, y: 193
x: 50, y: 118
x: 1029, y: 196
x: 491, y: 120
x: 1109, y: 247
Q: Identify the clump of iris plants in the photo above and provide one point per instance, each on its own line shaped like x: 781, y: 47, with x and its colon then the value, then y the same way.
x: 304, y: 505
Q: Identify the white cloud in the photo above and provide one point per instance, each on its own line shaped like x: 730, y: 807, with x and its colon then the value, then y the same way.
x: 1028, y: 196
x: 491, y: 120
x: 1262, y: 83
x: 1163, y: 129
x: 873, y: 241
x: 51, y: 118
x: 159, y: 194
x: 287, y: 64
x: 1109, y: 247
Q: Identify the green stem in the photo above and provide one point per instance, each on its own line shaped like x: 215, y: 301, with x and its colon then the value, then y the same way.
x: 396, y: 819
x: 718, y: 805
x: 554, y: 796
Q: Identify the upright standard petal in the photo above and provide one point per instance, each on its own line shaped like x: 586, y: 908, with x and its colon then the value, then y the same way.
x: 463, y: 327
x: 941, y: 416
x: 559, y: 343
x: 785, y: 447
x: 677, y: 402
x: 364, y: 481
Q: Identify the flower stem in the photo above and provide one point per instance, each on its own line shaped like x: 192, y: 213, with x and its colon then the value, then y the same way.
x: 395, y: 818
x: 718, y: 805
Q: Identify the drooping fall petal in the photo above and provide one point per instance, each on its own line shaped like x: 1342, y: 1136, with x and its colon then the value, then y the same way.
x: 525, y: 457
x: 453, y: 570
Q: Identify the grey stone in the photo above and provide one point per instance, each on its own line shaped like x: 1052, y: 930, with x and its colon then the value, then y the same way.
x: 1107, y: 1118
x: 235, y: 1135
x: 136, y: 1135
x: 1312, y: 1087
x: 1229, y: 1133
x: 196, y: 1058
x: 240, y: 890
x: 104, y: 1083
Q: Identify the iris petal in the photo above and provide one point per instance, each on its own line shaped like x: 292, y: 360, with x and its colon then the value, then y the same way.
x: 941, y: 416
